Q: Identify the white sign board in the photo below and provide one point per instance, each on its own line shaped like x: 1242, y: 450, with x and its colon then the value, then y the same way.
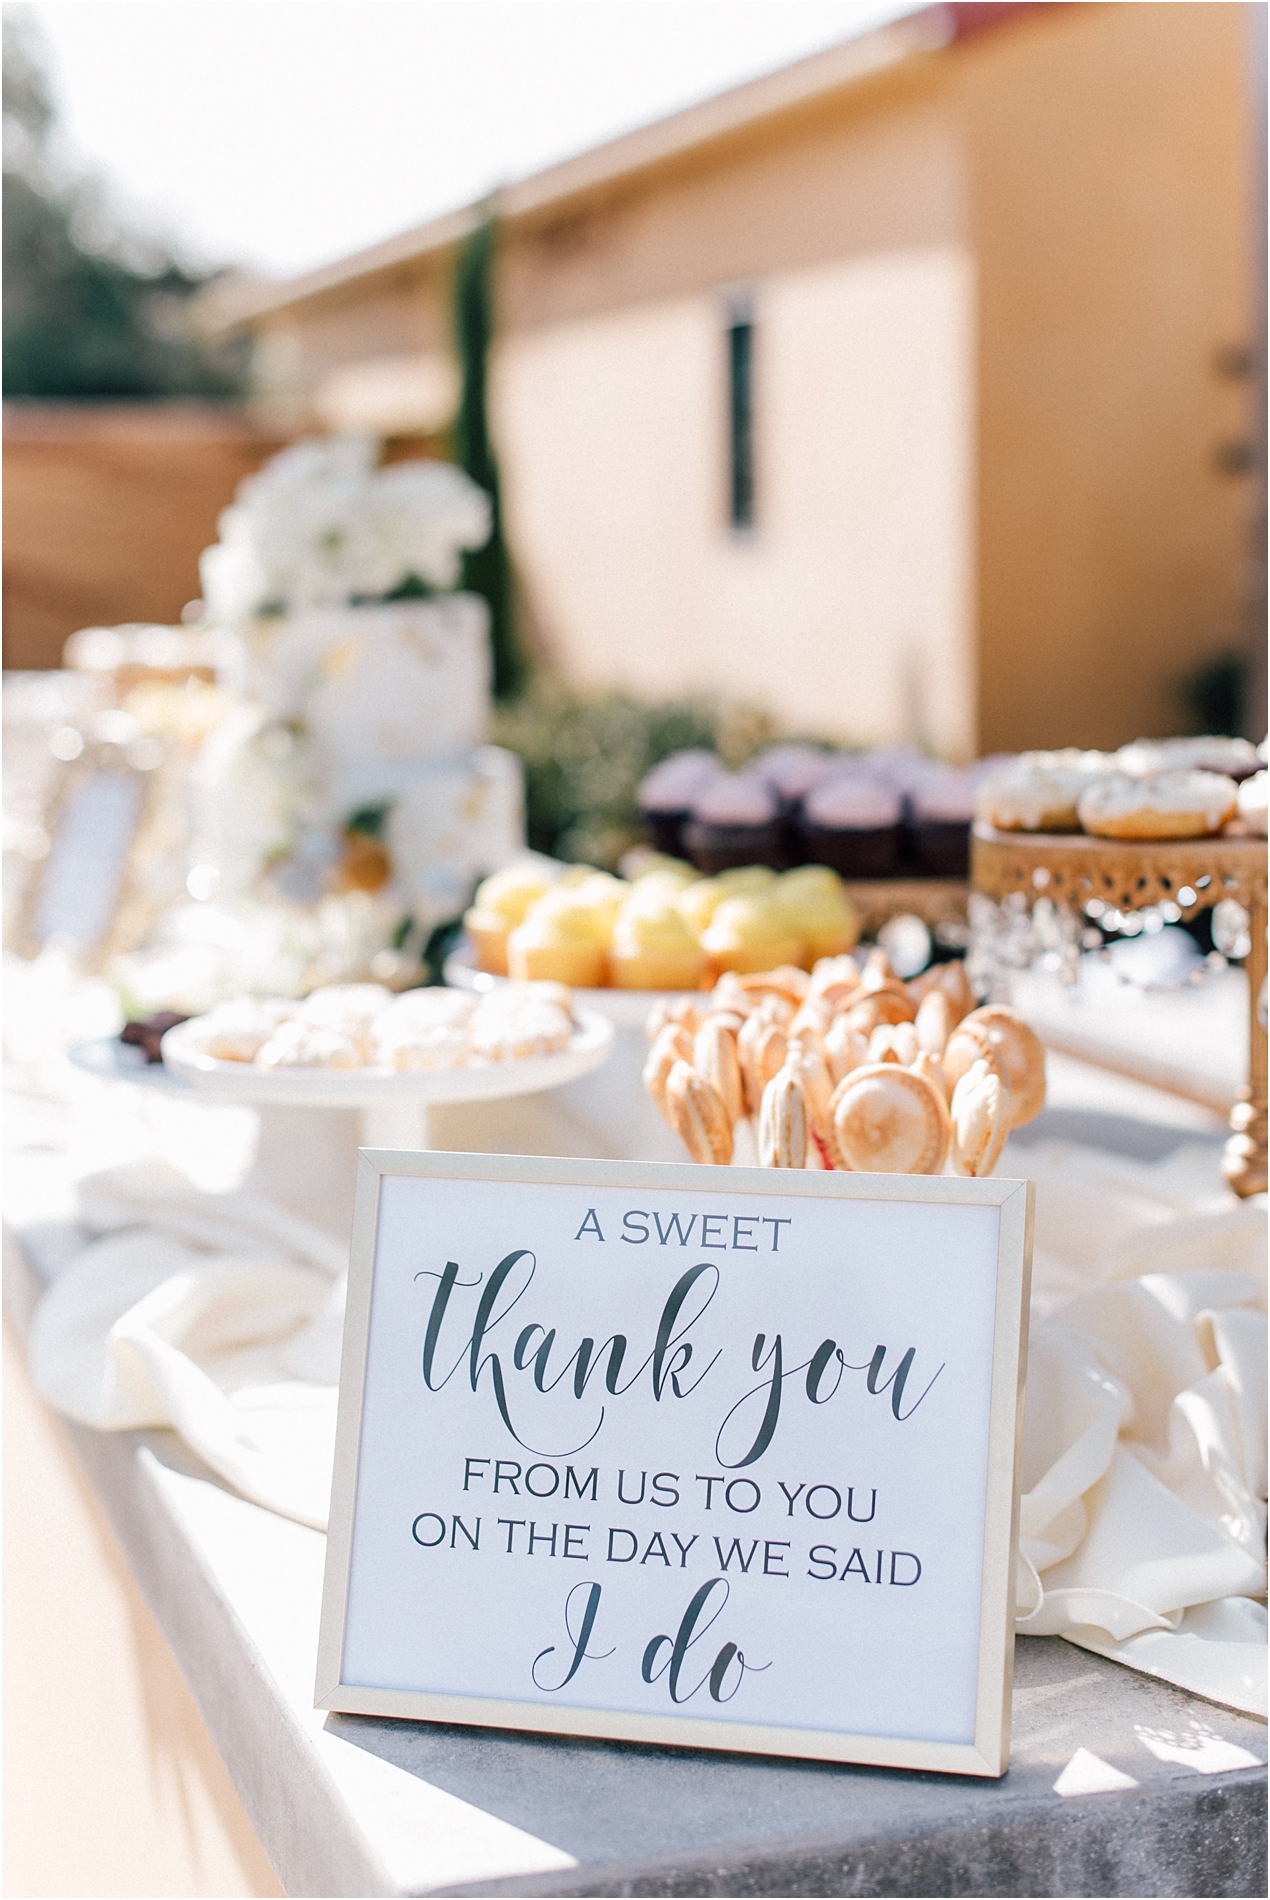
x: 718, y: 1457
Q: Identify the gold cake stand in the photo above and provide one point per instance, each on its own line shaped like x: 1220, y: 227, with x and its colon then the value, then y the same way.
x: 1193, y: 873
x: 936, y: 900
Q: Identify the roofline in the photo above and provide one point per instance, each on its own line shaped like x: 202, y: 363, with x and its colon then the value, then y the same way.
x: 235, y: 301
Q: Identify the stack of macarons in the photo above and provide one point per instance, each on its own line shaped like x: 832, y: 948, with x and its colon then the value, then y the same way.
x: 846, y: 1067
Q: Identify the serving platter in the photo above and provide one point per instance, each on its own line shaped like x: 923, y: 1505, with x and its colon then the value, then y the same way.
x: 625, y: 1009
x: 243, y: 1082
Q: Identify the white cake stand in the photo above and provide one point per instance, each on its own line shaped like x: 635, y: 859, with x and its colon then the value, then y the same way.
x: 312, y: 1121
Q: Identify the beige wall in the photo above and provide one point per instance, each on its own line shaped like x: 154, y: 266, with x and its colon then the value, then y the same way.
x: 1111, y: 153
x: 848, y: 609
x: 991, y: 284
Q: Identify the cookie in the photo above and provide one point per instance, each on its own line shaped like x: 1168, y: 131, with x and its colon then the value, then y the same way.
x: 714, y: 1056
x: 888, y: 1120
x: 696, y: 1113
x: 1021, y: 1053
x: 979, y: 1115
x: 782, y: 1122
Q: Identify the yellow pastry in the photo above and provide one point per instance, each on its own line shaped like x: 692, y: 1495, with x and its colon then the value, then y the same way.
x: 565, y: 936
x: 653, y: 948
x: 674, y: 873
x: 501, y: 902
x: 823, y: 917
x: 700, y: 901
x: 750, y: 934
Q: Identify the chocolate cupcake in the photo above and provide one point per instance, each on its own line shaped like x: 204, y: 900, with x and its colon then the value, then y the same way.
x: 853, y: 825
x: 666, y: 794
x: 940, y: 811
x: 735, y: 821
x: 792, y: 771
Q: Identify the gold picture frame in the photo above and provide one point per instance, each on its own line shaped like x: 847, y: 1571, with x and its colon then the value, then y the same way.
x: 986, y: 1751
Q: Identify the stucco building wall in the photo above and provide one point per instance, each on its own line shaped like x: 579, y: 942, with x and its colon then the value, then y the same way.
x: 991, y: 281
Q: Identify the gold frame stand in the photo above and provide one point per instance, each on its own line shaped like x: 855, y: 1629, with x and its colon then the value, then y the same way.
x: 1193, y: 873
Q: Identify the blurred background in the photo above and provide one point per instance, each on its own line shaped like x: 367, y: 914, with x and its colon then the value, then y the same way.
x: 917, y: 347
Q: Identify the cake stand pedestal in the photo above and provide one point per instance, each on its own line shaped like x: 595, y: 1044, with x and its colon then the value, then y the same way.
x: 313, y: 1121
x: 1193, y: 874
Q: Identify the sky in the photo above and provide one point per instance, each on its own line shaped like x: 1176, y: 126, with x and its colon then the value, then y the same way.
x: 278, y: 135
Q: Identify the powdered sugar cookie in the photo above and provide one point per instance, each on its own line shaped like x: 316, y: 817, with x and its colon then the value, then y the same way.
x: 302, y: 1045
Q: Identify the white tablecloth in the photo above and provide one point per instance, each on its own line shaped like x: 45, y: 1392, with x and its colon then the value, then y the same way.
x: 1144, y: 1480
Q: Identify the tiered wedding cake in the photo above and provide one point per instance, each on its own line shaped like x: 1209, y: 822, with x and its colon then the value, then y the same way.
x: 356, y: 709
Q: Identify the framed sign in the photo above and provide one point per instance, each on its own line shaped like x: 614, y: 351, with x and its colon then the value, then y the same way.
x: 726, y: 1458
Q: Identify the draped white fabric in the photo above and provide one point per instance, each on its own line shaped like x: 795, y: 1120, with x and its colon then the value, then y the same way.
x: 1143, y: 1517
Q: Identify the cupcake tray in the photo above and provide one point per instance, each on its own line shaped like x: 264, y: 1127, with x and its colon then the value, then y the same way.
x: 935, y: 900
x: 1192, y: 873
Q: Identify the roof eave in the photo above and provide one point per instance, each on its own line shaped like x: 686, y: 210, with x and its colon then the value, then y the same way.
x: 852, y: 62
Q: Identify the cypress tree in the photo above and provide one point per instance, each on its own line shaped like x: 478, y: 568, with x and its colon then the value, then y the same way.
x: 486, y: 571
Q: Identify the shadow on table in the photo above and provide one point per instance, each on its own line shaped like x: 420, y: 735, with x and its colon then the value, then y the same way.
x: 1128, y: 1135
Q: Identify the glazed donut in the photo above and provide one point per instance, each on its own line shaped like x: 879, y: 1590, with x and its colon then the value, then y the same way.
x: 1167, y: 805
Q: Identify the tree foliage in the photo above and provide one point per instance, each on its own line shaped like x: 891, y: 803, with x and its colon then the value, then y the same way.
x: 90, y: 310
x: 488, y: 571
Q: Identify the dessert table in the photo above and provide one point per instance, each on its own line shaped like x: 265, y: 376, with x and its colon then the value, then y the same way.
x: 1119, y: 1783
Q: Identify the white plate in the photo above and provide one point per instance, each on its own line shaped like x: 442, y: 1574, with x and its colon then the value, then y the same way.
x: 358, y: 1088
x: 116, y: 1061
x: 626, y: 1009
